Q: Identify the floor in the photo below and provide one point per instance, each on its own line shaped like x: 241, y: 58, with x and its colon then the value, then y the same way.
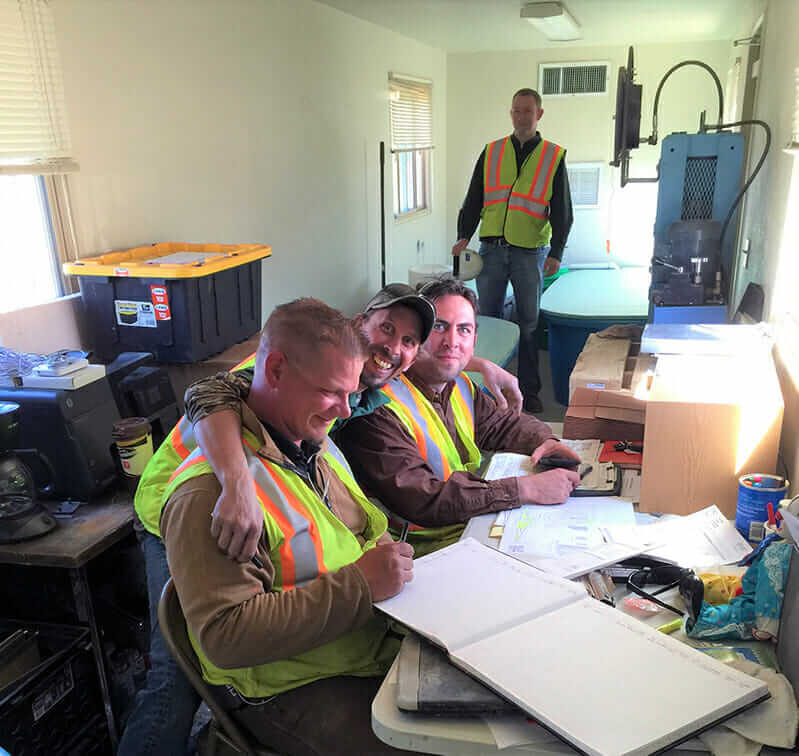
x: 553, y: 411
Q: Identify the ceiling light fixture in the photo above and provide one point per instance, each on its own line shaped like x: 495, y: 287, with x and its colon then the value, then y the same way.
x: 552, y: 20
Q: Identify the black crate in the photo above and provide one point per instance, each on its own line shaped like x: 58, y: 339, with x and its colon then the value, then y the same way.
x: 208, y: 313
x: 57, y: 707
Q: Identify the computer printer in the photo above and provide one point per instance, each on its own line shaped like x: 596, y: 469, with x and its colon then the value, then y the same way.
x: 72, y: 428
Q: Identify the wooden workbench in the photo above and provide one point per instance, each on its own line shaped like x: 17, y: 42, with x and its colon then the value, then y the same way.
x: 77, y: 539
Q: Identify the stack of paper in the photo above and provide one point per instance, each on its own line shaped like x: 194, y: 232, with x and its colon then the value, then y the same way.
x: 700, y: 539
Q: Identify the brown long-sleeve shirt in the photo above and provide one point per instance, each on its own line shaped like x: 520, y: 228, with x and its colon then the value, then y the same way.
x: 387, y: 463
x: 232, y: 609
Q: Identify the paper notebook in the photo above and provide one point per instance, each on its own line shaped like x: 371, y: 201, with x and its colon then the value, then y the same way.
x: 604, y: 682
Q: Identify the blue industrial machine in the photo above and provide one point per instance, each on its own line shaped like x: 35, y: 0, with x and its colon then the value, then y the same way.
x: 699, y: 192
x: 700, y: 176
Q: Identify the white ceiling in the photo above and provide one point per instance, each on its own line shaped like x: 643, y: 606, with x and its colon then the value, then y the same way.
x: 485, y: 25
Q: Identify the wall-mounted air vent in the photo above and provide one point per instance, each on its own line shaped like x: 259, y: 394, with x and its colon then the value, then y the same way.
x: 584, y: 183
x: 560, y: 79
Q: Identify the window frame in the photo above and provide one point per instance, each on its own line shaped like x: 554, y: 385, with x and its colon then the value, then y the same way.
x: 411, y: 131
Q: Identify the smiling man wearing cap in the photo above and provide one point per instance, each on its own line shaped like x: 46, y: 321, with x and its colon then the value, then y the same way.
x: 396, y: 322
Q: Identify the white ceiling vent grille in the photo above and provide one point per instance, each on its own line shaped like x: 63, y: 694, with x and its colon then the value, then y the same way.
x: 560, y: 79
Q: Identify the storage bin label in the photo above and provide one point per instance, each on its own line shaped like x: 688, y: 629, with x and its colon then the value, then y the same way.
x: 140, y: 314
x: 60, y: 687
x: 160, y: 302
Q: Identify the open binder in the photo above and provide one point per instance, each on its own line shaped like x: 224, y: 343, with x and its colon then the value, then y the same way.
x: 600, y: 680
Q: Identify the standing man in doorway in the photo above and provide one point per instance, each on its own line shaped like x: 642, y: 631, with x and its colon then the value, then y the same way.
x: 519, y: 193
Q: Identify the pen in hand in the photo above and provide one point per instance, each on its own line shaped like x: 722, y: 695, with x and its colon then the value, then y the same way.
x: 585, y: 472
x: 404, y: 534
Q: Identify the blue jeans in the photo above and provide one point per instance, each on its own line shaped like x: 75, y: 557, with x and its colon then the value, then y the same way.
x: 524, y: 268
x: 165, y: 706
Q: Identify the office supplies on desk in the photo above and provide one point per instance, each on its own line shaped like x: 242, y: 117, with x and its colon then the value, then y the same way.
x: 630, y: 455
x: 756, y: 493
x: 513, y: 639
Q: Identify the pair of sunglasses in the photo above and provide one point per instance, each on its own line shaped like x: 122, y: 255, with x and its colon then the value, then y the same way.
x: 689, y: 584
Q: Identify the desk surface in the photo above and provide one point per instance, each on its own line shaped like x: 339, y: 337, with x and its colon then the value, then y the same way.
x: 599, y: 294
x: 77, y: 539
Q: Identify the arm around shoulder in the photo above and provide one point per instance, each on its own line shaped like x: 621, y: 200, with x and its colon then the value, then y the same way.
x: 232, y: 609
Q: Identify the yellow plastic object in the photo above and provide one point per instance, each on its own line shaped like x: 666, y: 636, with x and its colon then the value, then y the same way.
x: 720, y: 589
x: 169, y: 260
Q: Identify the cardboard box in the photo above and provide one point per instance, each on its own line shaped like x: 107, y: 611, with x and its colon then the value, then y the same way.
x: 709, y: 420
x: 606, y: 415
x: 607, y: 360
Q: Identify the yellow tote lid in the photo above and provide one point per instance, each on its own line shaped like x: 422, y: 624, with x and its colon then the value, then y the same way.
x: 169, y: 260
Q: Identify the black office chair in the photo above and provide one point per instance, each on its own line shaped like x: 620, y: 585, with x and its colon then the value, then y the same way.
x: 223, y: 737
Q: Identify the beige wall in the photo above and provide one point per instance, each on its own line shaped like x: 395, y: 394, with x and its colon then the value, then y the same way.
x: 771, y: 217
x: 243, y: 121
x: 480, y: 87
x: 45, y: 328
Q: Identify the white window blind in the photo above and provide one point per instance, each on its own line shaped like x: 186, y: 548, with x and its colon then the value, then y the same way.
x: 411, y: 113
x: 34, y: 137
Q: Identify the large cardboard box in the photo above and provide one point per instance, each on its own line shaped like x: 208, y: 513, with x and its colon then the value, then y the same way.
x: 606, y: 415
x: 709, y: 420
x: 607, y: 360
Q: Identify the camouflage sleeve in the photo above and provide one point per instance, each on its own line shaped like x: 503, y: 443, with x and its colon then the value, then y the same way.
x: 223, y: 391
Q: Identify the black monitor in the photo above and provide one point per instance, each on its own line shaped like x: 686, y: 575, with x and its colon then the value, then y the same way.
x: 628, y: 113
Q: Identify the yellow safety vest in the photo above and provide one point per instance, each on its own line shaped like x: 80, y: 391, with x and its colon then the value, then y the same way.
x: 175, y: 448
x: 516, y: 207
x: 305, y: 540
x: 435, y: 445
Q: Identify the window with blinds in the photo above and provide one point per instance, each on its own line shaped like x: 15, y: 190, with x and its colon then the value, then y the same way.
x: 411, y: 119
x: 34, y: 137
x: 36, y: 233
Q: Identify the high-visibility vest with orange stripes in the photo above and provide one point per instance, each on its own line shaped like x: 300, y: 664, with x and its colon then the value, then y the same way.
x: 176, y: 447
x: 433, y: 440
x: 305, y: 541
x: 516, y: 206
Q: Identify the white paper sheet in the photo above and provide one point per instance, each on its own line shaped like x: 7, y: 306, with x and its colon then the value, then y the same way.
x: 550, y: 531
x: 703, y: 538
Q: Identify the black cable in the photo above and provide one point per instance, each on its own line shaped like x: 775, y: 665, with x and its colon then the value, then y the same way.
x: 751, y: 178
x: 653, y: 139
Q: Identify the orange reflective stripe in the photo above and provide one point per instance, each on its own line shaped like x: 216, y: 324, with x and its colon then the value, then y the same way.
x: 243, y: 363
x: 467, y: 411
x: 493, y: 168
x: 420, y: 408
x: 288, y: 569
x: 186, y: 464
x: 550, y: 160
x: 286, y: 555
x: 528, y: 211
x: 550, y: 168
x: 176, y: 439
x: 418, y: 434
x: 535, y: 176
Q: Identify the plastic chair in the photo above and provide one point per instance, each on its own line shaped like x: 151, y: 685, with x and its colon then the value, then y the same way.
x: 223, y: 736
